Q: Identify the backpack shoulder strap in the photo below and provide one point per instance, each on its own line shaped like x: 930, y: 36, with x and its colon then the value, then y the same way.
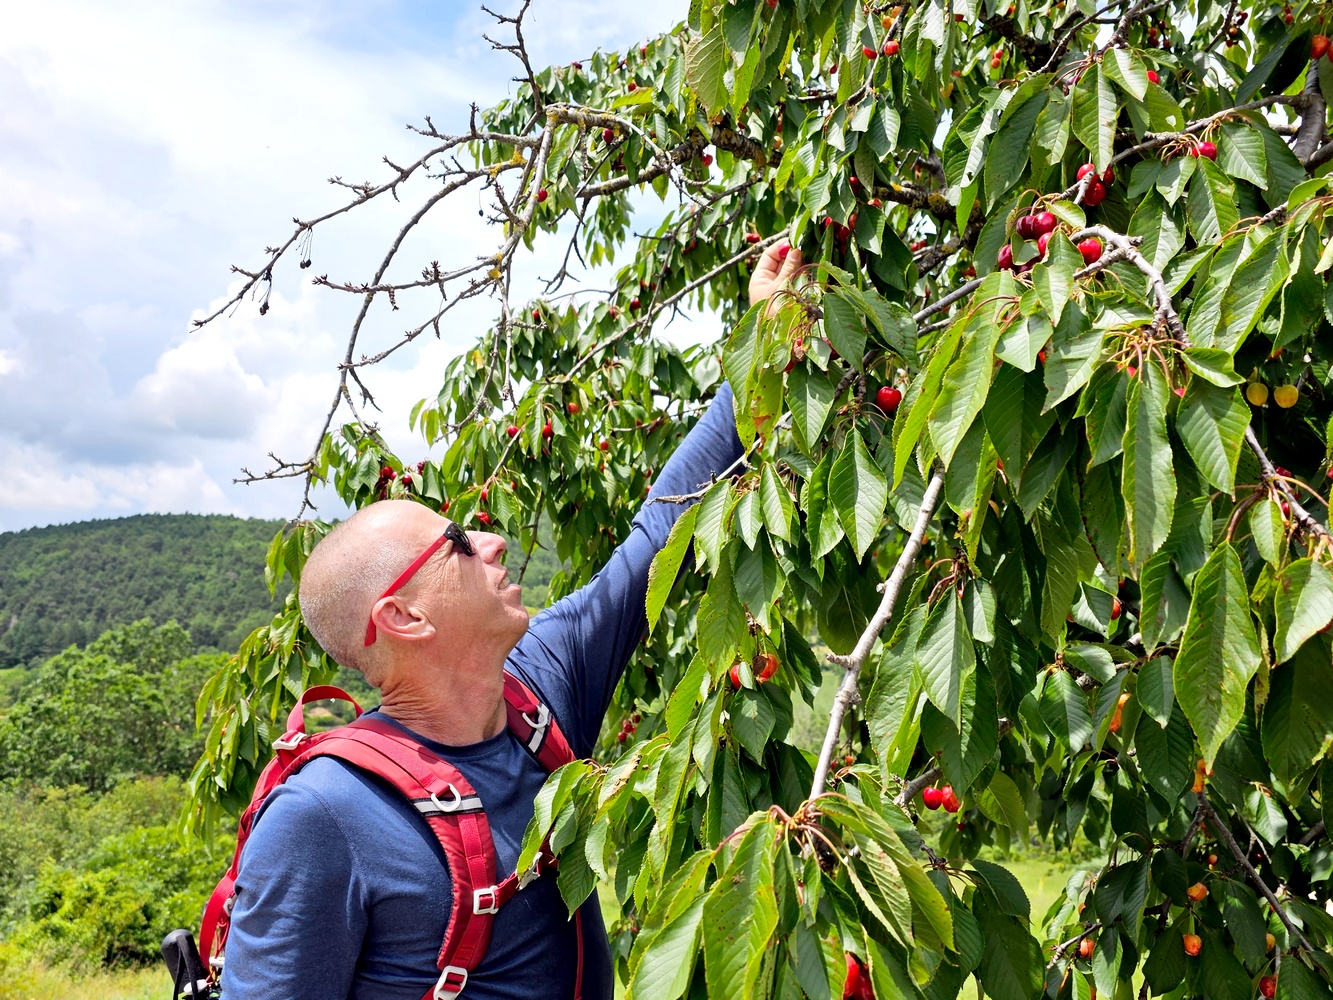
x: 534, y: 725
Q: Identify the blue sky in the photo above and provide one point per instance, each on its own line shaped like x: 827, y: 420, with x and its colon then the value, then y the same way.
x: 147, y: 146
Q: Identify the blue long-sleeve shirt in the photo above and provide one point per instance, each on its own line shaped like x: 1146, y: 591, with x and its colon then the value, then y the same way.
x: 343, y: 890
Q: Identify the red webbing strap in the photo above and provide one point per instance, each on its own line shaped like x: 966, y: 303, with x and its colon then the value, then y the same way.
x: 534, y: 725
x: 320, y: 692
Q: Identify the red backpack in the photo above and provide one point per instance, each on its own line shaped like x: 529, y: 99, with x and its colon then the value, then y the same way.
x: 445, y: 800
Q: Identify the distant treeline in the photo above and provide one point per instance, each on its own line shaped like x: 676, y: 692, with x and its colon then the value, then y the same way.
x: 65, y: 585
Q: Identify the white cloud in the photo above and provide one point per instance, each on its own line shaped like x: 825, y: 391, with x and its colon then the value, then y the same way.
x: 148, y: 145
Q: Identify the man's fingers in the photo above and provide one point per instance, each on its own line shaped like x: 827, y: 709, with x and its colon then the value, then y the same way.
x: 790, y: 265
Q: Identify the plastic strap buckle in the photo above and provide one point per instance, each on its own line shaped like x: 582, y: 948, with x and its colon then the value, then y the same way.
x: 445, y: 988
x: 532, y: 874
x: 478, y: 895
x: 288, y: 742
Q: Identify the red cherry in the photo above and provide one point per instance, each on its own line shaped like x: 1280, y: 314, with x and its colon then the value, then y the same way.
x: 1153, y: 77
x: 634, y: 303
x: 573, y: 408
x: 547, y: 430
x: 876, y: 203
x: 541, y: 195
x: 950, y: 800
x: 421, y: 467
x: 511, y: 430
x: 1042, y: 242
x: 1318, y: 46
x: 1207, y: 149
x: 1108, y: 176
x: 621, y: 736
x: 854, y: 181
x: 1091, y: 249
x: 485, y: 494
x: 1044, y: 222
x: 483, y: 517
x: 706, y: 159
x: 576, y: 65
x: 735, y: 675
x: 1026, y: 227
x: 387, y: 472
x: 891, y: 47
x: 1095, y: 194
x: 631, y: 86
x: 783, y: 250
x: 765, y: 666
x: 888, y: 398
x: 868, y: 52
x: 1115, y: 608
x: 604, y: 444
x: 608, y: 135
x: 1083, y: 171
x: 1005, y: 259
x: 1268, y: 984
x: 932, y: 797
x: 752, y: 238
x: 857, y: 986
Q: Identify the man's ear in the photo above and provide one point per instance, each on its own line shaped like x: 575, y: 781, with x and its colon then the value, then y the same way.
x: 395, y: 617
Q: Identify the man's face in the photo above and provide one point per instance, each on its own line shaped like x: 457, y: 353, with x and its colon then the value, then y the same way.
x: 469, y: 599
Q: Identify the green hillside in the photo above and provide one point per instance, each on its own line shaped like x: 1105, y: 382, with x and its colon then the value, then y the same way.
x: 67, y: 584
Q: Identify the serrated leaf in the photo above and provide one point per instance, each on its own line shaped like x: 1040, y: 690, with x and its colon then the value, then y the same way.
x: 1128, y: 73
x: 810, y: 395
x: 844, y: 328
x: 1094, y: 115
x: 1212, y: 203
x: 709, y: 526
x: 1211, y: 422
x: 666, y: 564
x: 1155, y: 692
x: 963, y: 392
x: 859, y: 493
x: 1211, y: 364
x: 1054, y: 278
x: 739, y: 916
x: 1066, y: 711
x: 1304, y: 605
x: 1219, y: 652
x: 1268, y: 529
x: 706, y: 62
x: 1295, y: 721
x: 776, y: 503
x: 945, y: 656
x: 1148, y: 478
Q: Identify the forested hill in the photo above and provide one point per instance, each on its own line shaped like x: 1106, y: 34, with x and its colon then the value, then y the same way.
x: 68, y: 583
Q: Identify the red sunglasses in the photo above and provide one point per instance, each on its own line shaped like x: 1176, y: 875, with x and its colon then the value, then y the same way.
x: 454, y: 534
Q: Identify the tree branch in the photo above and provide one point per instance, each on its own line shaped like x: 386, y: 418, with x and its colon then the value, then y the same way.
x: 854, y: 661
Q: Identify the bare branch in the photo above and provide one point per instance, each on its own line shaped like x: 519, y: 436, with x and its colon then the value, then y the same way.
x: 854, y: 660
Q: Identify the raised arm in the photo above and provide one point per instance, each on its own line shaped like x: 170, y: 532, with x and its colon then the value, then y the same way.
x: 576, y: 650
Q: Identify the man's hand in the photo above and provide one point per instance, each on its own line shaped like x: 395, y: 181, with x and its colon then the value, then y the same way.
x: 775, y: 269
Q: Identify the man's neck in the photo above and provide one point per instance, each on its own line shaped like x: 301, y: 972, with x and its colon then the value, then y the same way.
x: 449, y: 704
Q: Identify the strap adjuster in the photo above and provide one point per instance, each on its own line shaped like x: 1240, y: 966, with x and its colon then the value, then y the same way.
x: 478, y: 895
x: 289, y: 742
x: 532, y: 874
x: 458, y: 801
x: 451, y: 982
x: 543, y: 717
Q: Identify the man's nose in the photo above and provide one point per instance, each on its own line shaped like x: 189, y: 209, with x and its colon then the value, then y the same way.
x: 489, y: 545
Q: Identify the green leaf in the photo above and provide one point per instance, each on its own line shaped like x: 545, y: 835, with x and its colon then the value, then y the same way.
x: 666, y: 564
x: 963, y: 393
x: 1295, y: 722
x: 776, y: 503
x: 822, y: 522
x: 1128, y: 73
x: 1066, y: 711
x: 706, y: 62
x: 1211, y: 364
x: 1094, y: 117
x: 1240, y: 154
x: 1148, y: 480
x: 1155, y: 692
x: 945, y: 656
x: 859, y: 492
x: 1252, y: 287
x: 1304, y: 604
x: 740, y: 915
x: 810, y: 395
x: 666, y: 965
x: 1219, y: 652
x: 1008, y: 153
x: 1011, y: 962
x: 1166, y: 754
x: 1054, y: 278
x: 1211, y: 422
x: 1298, y: 983
x: 1268, y: 529
x: 844, y: 328
x: 1212, y: 203
x: 709, y: 532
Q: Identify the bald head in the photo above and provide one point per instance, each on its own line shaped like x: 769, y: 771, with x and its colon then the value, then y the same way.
x: 351, y: 567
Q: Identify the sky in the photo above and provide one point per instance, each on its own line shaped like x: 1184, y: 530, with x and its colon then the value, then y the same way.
x: 145, y: 147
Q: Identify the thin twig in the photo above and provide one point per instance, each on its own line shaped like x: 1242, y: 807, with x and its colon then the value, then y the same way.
x: 854, y: 660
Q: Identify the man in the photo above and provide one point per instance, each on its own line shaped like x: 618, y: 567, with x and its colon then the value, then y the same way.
x: 342, y: 889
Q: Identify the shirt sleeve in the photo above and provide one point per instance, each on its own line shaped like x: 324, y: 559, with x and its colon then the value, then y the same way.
x: 298, y: 922
x: 577, y: 649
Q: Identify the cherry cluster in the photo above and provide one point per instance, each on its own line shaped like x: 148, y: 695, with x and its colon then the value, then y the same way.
x: 935, y: 796
x: 630, y: 725
x: 763, y: 666
x: 1041, y: 226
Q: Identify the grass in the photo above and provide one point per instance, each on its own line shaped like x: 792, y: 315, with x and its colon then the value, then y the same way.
x: 34, y: 981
